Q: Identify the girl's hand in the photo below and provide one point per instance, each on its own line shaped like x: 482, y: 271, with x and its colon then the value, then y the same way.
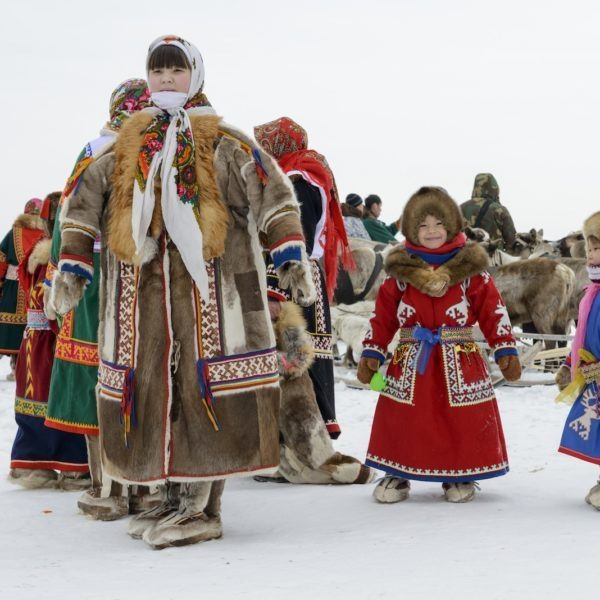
x: 510, y: 367
x: 367, y: 367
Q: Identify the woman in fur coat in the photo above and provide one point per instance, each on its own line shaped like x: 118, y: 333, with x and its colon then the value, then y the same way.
x: 437, y: 418
x: 41, y: 457
x: 188, y: 390
x: 24, y: 234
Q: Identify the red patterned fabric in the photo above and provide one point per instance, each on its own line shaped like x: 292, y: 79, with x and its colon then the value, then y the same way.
x: 287, y: 142
x: 444, y: 424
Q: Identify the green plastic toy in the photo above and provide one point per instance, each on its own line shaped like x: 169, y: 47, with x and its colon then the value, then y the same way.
x: 377, y: 382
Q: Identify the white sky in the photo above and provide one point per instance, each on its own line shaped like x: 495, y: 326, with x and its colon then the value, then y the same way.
x: 397, y: 94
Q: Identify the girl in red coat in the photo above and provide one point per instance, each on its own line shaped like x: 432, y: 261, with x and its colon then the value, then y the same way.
x: 437, y: 417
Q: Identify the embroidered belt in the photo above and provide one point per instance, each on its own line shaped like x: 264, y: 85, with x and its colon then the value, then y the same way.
x: 36, y: 319
x: 591, y: 372
x: 428, y: 338
x: 447, y: 335
x: 12, y: 273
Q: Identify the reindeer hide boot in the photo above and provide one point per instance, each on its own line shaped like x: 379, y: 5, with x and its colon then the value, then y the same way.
x: 458, y: 493
x: 33, y: 479
x: 169, y: 502
x: 593, y: 497
x: 197, y: 520
x: 391, y: 489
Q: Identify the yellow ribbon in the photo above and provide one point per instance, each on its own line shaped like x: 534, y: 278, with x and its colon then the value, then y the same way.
x: 574, y: 389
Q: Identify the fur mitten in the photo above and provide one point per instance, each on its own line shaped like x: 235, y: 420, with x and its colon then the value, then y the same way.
x: 295, y: 349
x: 297, y: 276
x: 437, y: 283
x: 48, y: 306
x: 367, y: 367
x: 510, y: 367
x: 563, y: 377
x: 67, y: 291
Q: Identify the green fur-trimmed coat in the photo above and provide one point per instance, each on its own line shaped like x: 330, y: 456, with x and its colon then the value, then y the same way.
x: 164, y: 352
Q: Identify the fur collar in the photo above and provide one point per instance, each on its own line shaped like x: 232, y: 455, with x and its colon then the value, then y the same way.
x: 214, y: 218
x: 403, y: 266
x: 29, y: 222
x: 40, y: 255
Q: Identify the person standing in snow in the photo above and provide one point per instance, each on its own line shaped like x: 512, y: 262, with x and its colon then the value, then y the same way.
x: 326, y: 240
x: 72, y: 400
x: 25, y: 232
x: 581, y: 434
x: 188, y: 385
x: 437, y: 417
x: 41, y: 456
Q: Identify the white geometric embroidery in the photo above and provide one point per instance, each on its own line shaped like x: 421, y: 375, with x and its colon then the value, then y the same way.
x: 405, y: 312
x: 486, y: 277
x: 459, y: 312
x: 591, y: 405
x: 401, y: 286
x: 503, y: 327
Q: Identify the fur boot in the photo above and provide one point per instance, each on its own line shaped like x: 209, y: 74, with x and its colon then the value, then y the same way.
x: 459, y: 492
x: 72, y: 481
x: 190, y: 524
x: 593, y: 497
x: 104, y: 508
x: 169, y: 502
x: 391, y: 489
x: 142, y: 498
x: 33, y: 479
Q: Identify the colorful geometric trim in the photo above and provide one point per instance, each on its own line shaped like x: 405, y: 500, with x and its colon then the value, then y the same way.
x: 76, y: 351
x: 77, y: 265
x: 32, y: 408
x: 36, y: 319
x: 71, y: 426
x: 70, y: 226
x: 373, y: 353
x: 439, y: 475
x: 13, y: 318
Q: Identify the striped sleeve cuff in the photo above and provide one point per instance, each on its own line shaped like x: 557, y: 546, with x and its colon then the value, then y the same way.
x: 373, y: 353
x: 77, y: 265
x: 505, y: 351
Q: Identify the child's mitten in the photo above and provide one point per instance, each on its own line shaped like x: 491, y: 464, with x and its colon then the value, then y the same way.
x: 67, y: 291
x: 297, y: 276
x: 510, y: 367
x: 367, y: 367
x: 436, y: 285
x: 563, y: 377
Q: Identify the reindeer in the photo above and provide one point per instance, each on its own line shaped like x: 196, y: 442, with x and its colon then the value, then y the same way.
x: 537, y: 291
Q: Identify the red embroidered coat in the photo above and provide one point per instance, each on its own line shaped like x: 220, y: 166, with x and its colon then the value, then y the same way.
x: 444, y: 424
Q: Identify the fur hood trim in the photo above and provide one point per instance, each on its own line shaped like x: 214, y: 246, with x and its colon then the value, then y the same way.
x: 430, y: 201
x: 591, y: 226
x: 40, y: 255
x: 29, y: 222
x: 214, y: 218
x: 408, y: 268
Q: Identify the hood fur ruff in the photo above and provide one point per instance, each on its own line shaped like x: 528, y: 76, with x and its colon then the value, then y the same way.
x: 411, y: 269
x: 29, y: 222
x: 214, y: 218
x: 591, y: 226
x: 40, y: 255
x: 430, y: 201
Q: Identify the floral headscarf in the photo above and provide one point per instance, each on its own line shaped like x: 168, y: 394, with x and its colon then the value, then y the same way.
x: 168, y: 152
x: 287, y: 142
x: 128, y: 97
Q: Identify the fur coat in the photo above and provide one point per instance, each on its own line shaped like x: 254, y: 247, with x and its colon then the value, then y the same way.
x: 196, y: 379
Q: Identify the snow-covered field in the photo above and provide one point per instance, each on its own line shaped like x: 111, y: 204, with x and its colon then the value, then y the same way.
x: 527, y: 535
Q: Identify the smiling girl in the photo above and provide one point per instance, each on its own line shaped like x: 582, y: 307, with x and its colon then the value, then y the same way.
x: 437, y: 418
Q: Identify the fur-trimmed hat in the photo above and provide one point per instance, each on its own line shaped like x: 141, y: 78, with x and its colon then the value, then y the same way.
x: 591, y: 227
x: 433, y: 201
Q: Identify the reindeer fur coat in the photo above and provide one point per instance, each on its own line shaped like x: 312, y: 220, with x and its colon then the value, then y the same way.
x: 198, y: 380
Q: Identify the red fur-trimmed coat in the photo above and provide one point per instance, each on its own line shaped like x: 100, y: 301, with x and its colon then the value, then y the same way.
x: 444, y: 424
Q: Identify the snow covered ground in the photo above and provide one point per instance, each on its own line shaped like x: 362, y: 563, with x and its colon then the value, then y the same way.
x: 527, y: 535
